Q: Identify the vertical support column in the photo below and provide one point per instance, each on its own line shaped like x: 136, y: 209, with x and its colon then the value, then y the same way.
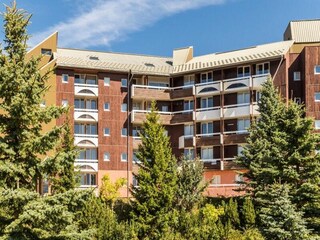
x: 222, y: 122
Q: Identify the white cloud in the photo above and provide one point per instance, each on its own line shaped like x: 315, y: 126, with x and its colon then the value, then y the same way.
x: 105, y: 21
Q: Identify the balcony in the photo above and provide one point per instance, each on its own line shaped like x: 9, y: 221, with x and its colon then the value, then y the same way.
x: 209, y: 139
x: 207, y: 114
x: 186, y: 141
x: 237, y: 111
x: 86, y: 140
x: 86, y: 90
x: 237, y: 84
x: 206, y: 89
x: 93, y: 164
x: 148, y: 93
x: 166, y: 118
x: 258, y: 80
x: 86, y: 115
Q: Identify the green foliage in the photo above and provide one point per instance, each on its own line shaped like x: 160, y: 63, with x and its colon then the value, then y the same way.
x: 281, y: 148
x: 190, y: 184
x: 279, y: 218
x: 232, y: 213
x: 157, y: 179
x: 110, y: 191
x: 248, y: 213
x: 23, y: 143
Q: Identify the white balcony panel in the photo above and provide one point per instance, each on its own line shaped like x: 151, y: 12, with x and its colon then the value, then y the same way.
x: 93, y: 165
x: 208, y: 89
x: 236, y: 84
x: 207, y: 115
x: 236, y: 111
x: 86, y: 115
x: 86, y: 90
x: 255, y: 109
x: 181, y: 142
x: 83, y: 140
x: 258, y: 80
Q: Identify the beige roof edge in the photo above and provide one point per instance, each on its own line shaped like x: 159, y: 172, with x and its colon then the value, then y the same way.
x: 54, y: 34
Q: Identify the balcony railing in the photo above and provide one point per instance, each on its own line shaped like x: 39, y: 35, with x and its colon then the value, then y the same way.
x: 86, y: 140
x: 138, y: 116
x: 86, y: 90
x: 86, y: 115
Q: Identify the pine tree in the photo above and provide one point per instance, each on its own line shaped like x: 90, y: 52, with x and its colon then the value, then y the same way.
x: 279, y: 218
x: 281, y: 148
x: 157, y: 180
x: 23, y: 145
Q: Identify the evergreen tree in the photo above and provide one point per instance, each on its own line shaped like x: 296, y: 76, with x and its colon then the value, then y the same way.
x: 190, y: 184
x: 157, y: 180
x: 22, y: 141
x: 248, y: 213
x: 109, y: 191
x: 279, y: 218
x: 281, y: 148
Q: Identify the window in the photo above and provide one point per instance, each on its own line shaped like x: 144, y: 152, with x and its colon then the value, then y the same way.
x: 216, y: 179
x: 263, y: 68
x: 91, y: 79
x: 188, y: 130
x: 258, y: 96
x: 89, y: 129
x: 317, y: 69
x: 317, y: 124
x: 188, y: 153
x: 88, y: 179
x: 46, y: 51
x: 124, y: 132
x: 207, y: 128
x: 188, y: 105
x: 124, y: 82
x: 188, y: 80
x: 243, y: 124
x: 106, y: 81
x: 64, y: 103
x: 136, y: 106
x: 88, y: 154
x: 135, y: 158
x: 85, y: 79
x: 106, y: 156
x: 124, y: 157
x: 134, y: 181
x: 123, y: 107
x: 85, y: 104
x: 207, y: 153
x: 206, y: 77
x: 165, y: 108
x: 240, y: 149
x: 158, y: 84
x: 244, y: 71
x: 243, y: 98
x: 65, y: 78
x: 317, y: 96
x: 296, y: 76
x: 207, y: 102
x: 107, y: 132
x: 136, y: 131
x: 106, y: 106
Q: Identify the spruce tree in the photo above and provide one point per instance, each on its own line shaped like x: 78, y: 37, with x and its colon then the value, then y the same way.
x: 279, y: 218
x: 248, y: 213
x: 281, y: 148
x: 154, y: 197
x: 23, y: 143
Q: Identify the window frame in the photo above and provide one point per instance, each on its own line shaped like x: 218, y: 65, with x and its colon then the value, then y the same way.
x: 317, y: 69
x: 122, y: 158
x: 315, y: 96
x: 263, y: 68
x: 126, y: 132
x: 106, y: 81
x: 243, y: 75
x: 106, y: 156
x: 295, y: 74
x: 104, y: 106
x: 122, y: 82
x: 124, y: 107
x: 65, y: 78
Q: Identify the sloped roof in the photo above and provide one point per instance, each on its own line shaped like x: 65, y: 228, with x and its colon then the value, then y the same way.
x: 260, y: 52
x: 303, y: 31
x: 154, y: 65
x: 141, y: 64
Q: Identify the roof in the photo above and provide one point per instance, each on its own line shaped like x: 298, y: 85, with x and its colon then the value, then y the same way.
x: 257, y: 53
x: 154, y: 65
x: 303, y: 31
x: 122, y: 62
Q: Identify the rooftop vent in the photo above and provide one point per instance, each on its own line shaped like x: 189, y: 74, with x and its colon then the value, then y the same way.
x: 94, y: 58
x: 169, y: 62
x: 149, y: 64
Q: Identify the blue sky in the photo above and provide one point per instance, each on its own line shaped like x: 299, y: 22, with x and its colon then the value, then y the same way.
x: 156, y: 27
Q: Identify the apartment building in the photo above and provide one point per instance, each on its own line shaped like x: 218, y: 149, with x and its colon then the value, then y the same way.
x: 206, y: 103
